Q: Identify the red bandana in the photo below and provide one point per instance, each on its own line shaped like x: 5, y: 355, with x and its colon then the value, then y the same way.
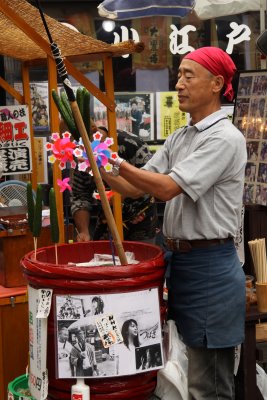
x: 217, y: 62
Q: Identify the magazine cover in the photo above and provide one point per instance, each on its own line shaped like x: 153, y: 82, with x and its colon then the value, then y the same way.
x: 108, y: 335
x: 250, y: 117
x: 134, y: 113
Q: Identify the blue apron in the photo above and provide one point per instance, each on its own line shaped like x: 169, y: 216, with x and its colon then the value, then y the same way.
x: 207, y: 296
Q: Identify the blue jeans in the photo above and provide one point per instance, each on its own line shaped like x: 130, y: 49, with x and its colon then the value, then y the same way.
x: 211, y: 373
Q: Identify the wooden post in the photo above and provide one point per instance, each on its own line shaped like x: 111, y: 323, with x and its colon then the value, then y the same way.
x: 112, y: 128
x: 27, y: 100
x: 54, y: 127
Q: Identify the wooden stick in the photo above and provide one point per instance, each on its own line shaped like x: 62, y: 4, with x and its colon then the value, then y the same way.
x: 99, y: 183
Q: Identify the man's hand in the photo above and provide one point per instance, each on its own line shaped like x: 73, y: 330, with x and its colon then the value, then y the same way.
x: 83, y: 237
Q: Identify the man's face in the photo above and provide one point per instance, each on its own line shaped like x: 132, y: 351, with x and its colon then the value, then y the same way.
x: 80, y: 336
x: 195, y: 87
x: 64, y: 335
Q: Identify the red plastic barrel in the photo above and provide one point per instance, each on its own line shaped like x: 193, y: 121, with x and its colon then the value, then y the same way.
x: 43, y: 272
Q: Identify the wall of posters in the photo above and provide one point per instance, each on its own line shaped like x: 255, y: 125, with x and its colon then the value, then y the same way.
x: 169, y: 117
x: 134, y: 113
x: 108, y: 334
x: 250, y: 116
x: 15, y: 143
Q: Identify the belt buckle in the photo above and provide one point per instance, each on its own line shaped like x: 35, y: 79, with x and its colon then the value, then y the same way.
x: 171, y: 244
x: 178, y: 245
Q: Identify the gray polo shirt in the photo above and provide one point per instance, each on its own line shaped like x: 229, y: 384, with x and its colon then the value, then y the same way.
x: 207, y: 161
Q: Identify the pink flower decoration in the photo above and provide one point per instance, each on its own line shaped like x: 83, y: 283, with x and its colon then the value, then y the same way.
x: 64, y: 184
x: 62, y: 149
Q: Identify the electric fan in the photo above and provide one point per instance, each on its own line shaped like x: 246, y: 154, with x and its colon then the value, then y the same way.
x: 13, y: 193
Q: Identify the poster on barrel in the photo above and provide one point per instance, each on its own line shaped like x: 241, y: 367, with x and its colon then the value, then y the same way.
x: 107, y: 335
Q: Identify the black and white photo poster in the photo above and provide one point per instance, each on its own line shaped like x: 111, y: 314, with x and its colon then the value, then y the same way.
x: 106, y: 335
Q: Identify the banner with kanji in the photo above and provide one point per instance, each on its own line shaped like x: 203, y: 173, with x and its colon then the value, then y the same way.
x: 153, y: 31
x: 15, y: 143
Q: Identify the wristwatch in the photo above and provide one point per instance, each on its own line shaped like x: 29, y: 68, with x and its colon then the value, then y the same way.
x: 115, y: 170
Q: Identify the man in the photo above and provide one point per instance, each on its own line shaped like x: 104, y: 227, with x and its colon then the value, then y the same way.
x: 136, y: 117
x: 139, y: 215
x: 64, y: 350
x: 199, y: 172
x: 83, y: 356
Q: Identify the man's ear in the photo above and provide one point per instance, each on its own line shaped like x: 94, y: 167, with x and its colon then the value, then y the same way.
x: 218, y: 83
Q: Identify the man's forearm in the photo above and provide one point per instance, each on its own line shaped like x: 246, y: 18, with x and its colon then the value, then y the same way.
x: 120, y: 185
x: 135, y: 182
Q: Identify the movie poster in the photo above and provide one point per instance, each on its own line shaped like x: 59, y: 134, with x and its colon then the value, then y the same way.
x: 250, y: 117
x: 105, y: 335
x: 134, y: 114
x: 39, y: 104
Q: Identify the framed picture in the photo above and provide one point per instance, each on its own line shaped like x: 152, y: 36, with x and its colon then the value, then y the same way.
x: 105, y: 335
x: 250, y: 117
x: 134, y: 114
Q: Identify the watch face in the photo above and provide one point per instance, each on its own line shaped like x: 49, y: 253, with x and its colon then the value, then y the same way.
x: 115, y: 170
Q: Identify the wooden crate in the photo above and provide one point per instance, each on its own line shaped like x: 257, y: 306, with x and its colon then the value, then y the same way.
x: 14, y: 335
x: 15, y: 244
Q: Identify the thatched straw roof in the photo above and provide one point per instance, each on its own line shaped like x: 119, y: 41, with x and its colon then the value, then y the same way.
x: 17, y: 44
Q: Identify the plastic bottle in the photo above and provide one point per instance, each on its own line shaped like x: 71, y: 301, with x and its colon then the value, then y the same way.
x: 80, y: 391
x: 165, y: 291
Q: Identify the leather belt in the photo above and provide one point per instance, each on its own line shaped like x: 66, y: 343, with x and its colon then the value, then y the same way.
x: 185, y: 246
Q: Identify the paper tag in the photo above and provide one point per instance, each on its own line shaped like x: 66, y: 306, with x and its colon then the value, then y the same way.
x: 44, y: 302
x: 108, y: 330
x: 44, y: 391
x: 237, y: 358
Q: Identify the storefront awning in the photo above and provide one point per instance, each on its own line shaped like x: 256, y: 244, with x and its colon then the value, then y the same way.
x: 130, y: 9
x: 207, y: 9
